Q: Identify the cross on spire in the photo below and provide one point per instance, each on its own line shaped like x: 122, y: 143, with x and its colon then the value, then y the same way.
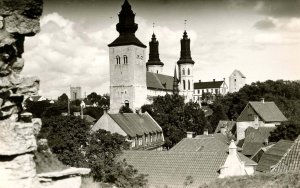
x: 185, y: 24
x: 153, y: 26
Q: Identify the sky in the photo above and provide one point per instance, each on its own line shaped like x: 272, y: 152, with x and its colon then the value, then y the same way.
x: 261, y: 38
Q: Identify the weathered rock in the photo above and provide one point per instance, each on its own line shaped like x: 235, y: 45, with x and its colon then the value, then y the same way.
x: 21, y: 25
x: 18, y: 65
x: 17, y: 171
x: 29, y: 8
x: 1, y: 22
x: 17, y: 138
x: 28, y: 86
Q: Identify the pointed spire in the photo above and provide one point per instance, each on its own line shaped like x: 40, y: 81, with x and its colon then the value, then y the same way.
x: 175, y: 83
x: 127, y: 28
x: 154, y: 52
x: 185, y: 53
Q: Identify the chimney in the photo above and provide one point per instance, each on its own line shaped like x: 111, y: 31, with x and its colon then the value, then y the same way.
x: 224, y: 79
x: 105, y: 109
x: 262, y: 100
x: 232, y: 148
x: 205, y: 132
x: 189, y: 134
x: 199, y: 81
x: 214, y: 80
x: 266, y: 142
x: 223, y: 130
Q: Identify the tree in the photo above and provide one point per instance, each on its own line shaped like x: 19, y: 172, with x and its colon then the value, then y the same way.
x: 63, y: 98
x: 125, y: 109
x: 287, y: 131
x: 218, y: 114
x: 37, y: 108
x: 176, y: 118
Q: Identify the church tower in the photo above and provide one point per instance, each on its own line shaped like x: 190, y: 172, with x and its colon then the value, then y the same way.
x: 127, y: 64
x: 185, y: 68
x: 154, y: 64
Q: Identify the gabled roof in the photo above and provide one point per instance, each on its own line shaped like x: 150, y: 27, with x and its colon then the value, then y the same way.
x: 208, y: 85
x: 273, y: 155
x: 89, y: 119
x: 238, y: 72
x: 203, y: 144
x: 136, y: 124
x: 290, y: 160
x: 172, y: 168
x: 255, y: 138
x: 159, y: 81
x: 228, y: 124
x: 267, y: 111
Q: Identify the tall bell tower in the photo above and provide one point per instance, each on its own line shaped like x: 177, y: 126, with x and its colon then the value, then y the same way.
x: 127, y: 64
x: 154, y: 64
x: 185, y: 68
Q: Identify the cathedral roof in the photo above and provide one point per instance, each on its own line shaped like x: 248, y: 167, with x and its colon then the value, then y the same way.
x: 159, y: 81
x: 208, y: 85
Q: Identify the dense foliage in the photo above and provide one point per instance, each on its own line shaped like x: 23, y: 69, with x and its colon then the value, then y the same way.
x: 287, y: 131
x: 125, y: 109
x: 176, y: 118
x: 70, y: 139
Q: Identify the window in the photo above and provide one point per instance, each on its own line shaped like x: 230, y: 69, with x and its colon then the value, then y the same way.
x: 183, y: 72
x: 133, y: 143
x: 189, y: 72
x: 235, y: 80
x: 151, y: 138
x: 140, y: 141
x: 118, y: 59
x: 189, y: 85
x: 198, y: 91
x: 217, y: 91
x: 183, y: 84
x: 125, y: 59
x: 146, y: 139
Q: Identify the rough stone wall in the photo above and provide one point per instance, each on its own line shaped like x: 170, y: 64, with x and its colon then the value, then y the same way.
x: 18, y: 19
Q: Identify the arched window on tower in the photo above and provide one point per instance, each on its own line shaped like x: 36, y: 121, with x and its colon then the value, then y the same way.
x: 125, y: 59
x: 189, y: 72
x: 189, y: 85
x: 183, y: 72
x: 118, y: 59
x: 183, y: 81
x: 126, y: 103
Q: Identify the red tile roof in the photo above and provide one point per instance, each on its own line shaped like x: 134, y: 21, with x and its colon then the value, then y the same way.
x: 136, y: 124
x: 291, y: 159
x: 273, y: 155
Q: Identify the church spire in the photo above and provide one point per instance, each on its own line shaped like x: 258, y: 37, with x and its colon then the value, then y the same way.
x: 127, y: 28
x: 185, y: 53
x: 153, y: 52
x: 175, y: 83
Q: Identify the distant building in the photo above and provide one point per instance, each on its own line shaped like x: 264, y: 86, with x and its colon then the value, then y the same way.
x: 140, y: 129
x: 75, y: 93
x: 212, y: 88
x: 236, y: 81
x: 37, y: 98
x: 258, y: 114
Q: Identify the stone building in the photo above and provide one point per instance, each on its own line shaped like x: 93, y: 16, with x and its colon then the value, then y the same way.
x: 75, y: 93
x: 236, y: 81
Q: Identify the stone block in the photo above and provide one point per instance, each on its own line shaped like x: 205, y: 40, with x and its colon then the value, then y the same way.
x: 17, y: 138
x: 17, y: 171
x: 21, y: 25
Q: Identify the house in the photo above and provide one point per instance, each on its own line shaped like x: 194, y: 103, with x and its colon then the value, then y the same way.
x: 255, y: 139
x: 202, y: 162
x: 290, y: 160
x: 140, y: 129
x: 273, y: 155
x: 201, y: 89
x: 236, y: 81
x: 258, y: 114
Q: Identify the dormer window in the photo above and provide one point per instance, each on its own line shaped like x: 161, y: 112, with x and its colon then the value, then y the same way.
x: 118, y: 59
x: 125, y: 59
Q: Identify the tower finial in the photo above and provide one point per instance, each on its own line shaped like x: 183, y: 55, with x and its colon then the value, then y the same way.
x: 153, y: 26
x: 185, y: 24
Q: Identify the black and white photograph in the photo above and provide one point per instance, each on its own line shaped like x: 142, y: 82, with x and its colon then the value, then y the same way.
x: 149, y: 93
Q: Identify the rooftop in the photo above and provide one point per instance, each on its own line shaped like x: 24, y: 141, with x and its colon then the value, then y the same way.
x: 159, y: 81
x: 208, y: 85
x: 227, y: 124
